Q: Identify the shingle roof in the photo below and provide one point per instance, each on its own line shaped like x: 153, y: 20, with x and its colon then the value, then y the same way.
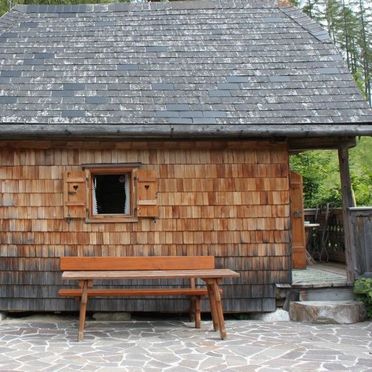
x: 179, y: 68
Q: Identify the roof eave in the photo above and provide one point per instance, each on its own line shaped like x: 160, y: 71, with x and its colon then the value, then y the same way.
x: 22, y: 131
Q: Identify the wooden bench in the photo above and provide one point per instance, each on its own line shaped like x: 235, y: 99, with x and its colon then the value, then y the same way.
x: 88, y: 269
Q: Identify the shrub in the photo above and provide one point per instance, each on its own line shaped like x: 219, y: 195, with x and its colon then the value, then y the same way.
x: 363, y: 290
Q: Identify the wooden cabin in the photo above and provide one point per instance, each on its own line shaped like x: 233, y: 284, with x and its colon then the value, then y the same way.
x: 162, y: 129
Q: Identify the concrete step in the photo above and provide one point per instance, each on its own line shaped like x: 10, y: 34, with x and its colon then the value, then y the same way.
x: 326, y: 294
x: 334, y: 312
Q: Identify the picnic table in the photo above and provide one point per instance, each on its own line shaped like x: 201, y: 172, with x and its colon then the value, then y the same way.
x: 86, y: 270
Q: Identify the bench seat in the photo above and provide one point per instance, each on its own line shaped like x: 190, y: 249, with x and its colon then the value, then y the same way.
x: 100, y: 292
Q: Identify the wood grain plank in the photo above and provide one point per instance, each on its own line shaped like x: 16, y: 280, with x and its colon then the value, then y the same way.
x: 136, y: 263
x: 93, y: 292
x: 150, y: 274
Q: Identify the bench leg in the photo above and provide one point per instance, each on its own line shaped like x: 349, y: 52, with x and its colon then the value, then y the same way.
x: 219, y: 310
x: 83, y: 309
x: 212, y: 303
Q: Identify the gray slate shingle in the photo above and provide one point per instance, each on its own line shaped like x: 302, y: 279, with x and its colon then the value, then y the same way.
x: 222, y: 63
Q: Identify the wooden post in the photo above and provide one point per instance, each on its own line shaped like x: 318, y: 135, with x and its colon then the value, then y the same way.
x: 348, y: 201
x: 296, y: 197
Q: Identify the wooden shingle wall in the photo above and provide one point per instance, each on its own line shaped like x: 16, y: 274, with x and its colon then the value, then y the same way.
x: 227, y: 199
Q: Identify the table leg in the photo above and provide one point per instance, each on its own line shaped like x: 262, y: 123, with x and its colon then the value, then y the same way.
x: 197, y: 312
x: 83, y: 308
x: 192, y: 312
x: 219, y: 310
x: 212, y: 303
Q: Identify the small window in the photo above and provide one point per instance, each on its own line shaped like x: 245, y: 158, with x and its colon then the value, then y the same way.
x: 111, y: 194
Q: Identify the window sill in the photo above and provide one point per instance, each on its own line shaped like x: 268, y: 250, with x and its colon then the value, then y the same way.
x: 111, y: 219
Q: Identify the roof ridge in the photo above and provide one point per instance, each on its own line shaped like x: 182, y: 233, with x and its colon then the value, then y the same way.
x: 308, y: 24
x: 133, y: 7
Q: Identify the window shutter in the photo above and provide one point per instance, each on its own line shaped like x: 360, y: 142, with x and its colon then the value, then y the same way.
x: 74, y: 192
x: 147, y: 189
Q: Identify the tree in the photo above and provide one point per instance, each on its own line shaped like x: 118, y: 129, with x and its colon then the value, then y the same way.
x: 349, y: 24
x: 364, y: 39
x: 361, y: 171
x: 320, y: 176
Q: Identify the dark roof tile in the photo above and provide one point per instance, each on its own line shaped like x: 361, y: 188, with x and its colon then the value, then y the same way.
x: 7, y: 100
x: 73, y: 113
x: 73, y: 86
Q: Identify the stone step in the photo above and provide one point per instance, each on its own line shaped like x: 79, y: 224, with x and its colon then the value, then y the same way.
x: 326, y: 294
x: 285, y: 294
x: 334, y: 312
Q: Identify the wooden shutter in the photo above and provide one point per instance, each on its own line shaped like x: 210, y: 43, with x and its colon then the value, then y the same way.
x: 74, y: 192
x: 147, y: 189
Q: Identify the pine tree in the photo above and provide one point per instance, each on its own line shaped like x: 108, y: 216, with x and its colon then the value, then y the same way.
x: 349, y: 23
x: 365, y: 17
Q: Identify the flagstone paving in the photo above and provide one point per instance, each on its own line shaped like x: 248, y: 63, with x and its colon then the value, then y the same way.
x: 47, y: 344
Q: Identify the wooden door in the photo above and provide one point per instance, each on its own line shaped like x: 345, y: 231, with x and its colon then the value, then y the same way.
x: 297, y: 221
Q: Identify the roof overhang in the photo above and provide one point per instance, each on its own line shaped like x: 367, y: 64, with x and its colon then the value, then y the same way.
x: 298, y: 137
x: 169, y: 131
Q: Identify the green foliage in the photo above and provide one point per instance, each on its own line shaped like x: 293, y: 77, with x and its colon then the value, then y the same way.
x: 3, y: 6
x: 361, y: 171
x: 320, y: 171
x: 320, y: 176
x: 363, y: 290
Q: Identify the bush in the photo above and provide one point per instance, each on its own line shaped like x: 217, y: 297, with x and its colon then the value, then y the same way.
x: 363, y: 290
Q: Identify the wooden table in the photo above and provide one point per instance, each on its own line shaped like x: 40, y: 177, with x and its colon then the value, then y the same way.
x: 212, y: 278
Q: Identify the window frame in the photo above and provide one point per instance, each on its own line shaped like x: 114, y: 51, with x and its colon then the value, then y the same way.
x: 109, y: 169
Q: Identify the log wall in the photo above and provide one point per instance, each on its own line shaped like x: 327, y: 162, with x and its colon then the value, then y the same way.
x: 227, y: 199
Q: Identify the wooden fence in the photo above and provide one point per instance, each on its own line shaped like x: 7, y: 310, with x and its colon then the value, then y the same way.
x: 326, y: 242
x: 361, y: 220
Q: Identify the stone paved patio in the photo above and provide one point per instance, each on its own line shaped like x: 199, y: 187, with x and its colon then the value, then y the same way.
x: 48, y: 344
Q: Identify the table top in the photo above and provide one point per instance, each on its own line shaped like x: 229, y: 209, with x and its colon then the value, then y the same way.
x: 150, y: 274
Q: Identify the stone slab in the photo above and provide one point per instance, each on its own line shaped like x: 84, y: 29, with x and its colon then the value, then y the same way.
x: 333, y: 312
x: 116, y: 316
x: 327, y: 294
x: 276, y: 316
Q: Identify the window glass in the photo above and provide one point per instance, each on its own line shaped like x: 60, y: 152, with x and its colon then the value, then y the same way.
x: 111, y: 194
